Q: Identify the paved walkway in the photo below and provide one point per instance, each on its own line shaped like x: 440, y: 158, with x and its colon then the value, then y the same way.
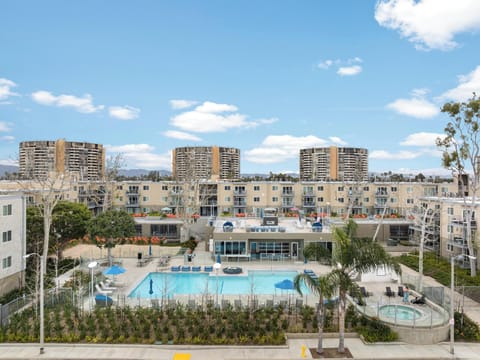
x: 293, y: 350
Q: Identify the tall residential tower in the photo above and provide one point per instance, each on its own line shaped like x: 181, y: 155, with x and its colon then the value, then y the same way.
x: 334, y: 164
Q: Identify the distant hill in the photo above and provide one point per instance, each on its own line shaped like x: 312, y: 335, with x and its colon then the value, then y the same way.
x: 141, y: 172
x: 7, y: 169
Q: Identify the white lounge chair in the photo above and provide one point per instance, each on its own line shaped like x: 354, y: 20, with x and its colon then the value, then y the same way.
x: 102, y: 291
x: 107, y: 287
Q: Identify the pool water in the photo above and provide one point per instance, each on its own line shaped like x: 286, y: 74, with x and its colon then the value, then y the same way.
x: 169, y: 284
x: 400, y: 312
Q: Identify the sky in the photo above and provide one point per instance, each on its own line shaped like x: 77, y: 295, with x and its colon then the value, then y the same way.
x: 266, y: 77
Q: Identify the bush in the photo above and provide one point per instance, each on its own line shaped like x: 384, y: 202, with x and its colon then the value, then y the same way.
x: 465, y: 328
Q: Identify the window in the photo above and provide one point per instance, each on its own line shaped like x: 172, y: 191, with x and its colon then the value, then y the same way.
x: 275, y: 199
x: 7, y: 236
x: 145, y: 198
x: 320, y: 188
x: 409, y: 201
x: 409, y: 189
x: 340, y: 188
x: 256, y: 199
x: 320, y: 199
x: 227, y: 188
x: 146, y: 187
x: 7, y: 262
x: 394, y: 188
x: 7, y: 209
x: 341, y: 200
x: 256, y: 188
x: 366, y: 188
x: 393, y: 200
x: 366, y: 200
x: 274, y: 187
x: 120, y: 198
x: 450, y: 211
x: 119, y: 187
x: 227, y: 199
x: 164, y: 199
x: 164, y: 187
x: 450, y: 229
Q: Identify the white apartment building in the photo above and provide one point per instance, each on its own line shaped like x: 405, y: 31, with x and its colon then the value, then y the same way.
x: 12, y: 242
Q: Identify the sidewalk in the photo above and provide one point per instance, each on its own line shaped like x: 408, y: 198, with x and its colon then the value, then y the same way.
x: 293, y: 350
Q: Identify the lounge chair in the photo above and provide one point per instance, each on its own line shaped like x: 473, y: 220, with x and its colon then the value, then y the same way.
x: 185, y: 268
x: 400, y: 291
x: 364, y: 292
x: 175, y: 268
x: 419, y: 300
x: 208, y: 268
x: 103, y: 300
x: 107, y: 287
x: 389, y: 291
x: 196, y: 268
x: 102, y: 291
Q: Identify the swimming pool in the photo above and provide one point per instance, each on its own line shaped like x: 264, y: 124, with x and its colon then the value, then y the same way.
x: 400, y: 312
x: 258, y: 282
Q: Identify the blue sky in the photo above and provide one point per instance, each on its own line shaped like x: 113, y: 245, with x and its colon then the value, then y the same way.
x: 267, y: 77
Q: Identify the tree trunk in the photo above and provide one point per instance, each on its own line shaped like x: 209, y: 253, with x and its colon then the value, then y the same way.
x: 341, y: 322
x: 320, y: 321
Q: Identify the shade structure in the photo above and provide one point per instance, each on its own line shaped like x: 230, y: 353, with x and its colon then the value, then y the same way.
x: 114, y: 270
x: 166, y: 209
x: 286, y: 284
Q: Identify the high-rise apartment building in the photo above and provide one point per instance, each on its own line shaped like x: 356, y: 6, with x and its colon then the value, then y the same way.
x: 206, y: 162
x: 39, y: 158
x: 334, y: 164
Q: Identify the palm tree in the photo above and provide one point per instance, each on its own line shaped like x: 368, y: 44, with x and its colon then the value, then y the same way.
x: 351, y: 257
x: 324, y: 289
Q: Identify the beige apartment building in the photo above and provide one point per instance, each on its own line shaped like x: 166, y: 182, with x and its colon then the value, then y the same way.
x: 206, y: 162
x: 334, y: 163
x: 38, y: 159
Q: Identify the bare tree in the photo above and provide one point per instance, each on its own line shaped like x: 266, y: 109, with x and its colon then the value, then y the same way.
x: 461, y: 155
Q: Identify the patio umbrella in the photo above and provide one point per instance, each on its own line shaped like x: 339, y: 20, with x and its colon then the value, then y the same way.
x: 219, y: 259
x: 151, y: 287
x: 114, y: 270
x: 149, y: 249
x: 285, y: 285
x: 166, y: 209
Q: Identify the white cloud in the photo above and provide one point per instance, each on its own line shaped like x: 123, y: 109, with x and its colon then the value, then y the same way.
x: 6, y: 89
x: 401, y: 155
x: 344, y: 67
x: 325, y: 64
x: 182, y: 104
x: 349, y: 70
x: 211, y: 107
x: 180, y: 135
x: 421, y: 139
x: 5, y: 127
x: 8, y: 138
x: 142, y: 156
x: 124, y: 112
x: 416, y: 107
x: 9, y: 162
x: 278, y: 148
x: 81, y: 104
x: 212, y: 117
x: 337, y: 141
x: 429, y: 24
x: 467, y: 85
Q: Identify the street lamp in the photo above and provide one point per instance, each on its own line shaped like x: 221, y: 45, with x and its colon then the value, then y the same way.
x: 92, y: 265
x: 217, y: 267
x: 452, y: 295
x: 42, y: 300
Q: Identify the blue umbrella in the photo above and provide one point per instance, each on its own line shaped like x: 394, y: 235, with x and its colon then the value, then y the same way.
x: 151, y: 287
x: 285, y: 285
x: 114, y: 270
x: 219, y: 259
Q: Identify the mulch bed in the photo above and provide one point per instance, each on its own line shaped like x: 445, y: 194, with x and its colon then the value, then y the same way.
x: 331, y: 353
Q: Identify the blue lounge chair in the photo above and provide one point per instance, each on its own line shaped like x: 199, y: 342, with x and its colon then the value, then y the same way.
x: 196, y: 268
x: 103, y: 300
x: 185, y: 268
x: 175, y: 268
x: 208, y: 268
